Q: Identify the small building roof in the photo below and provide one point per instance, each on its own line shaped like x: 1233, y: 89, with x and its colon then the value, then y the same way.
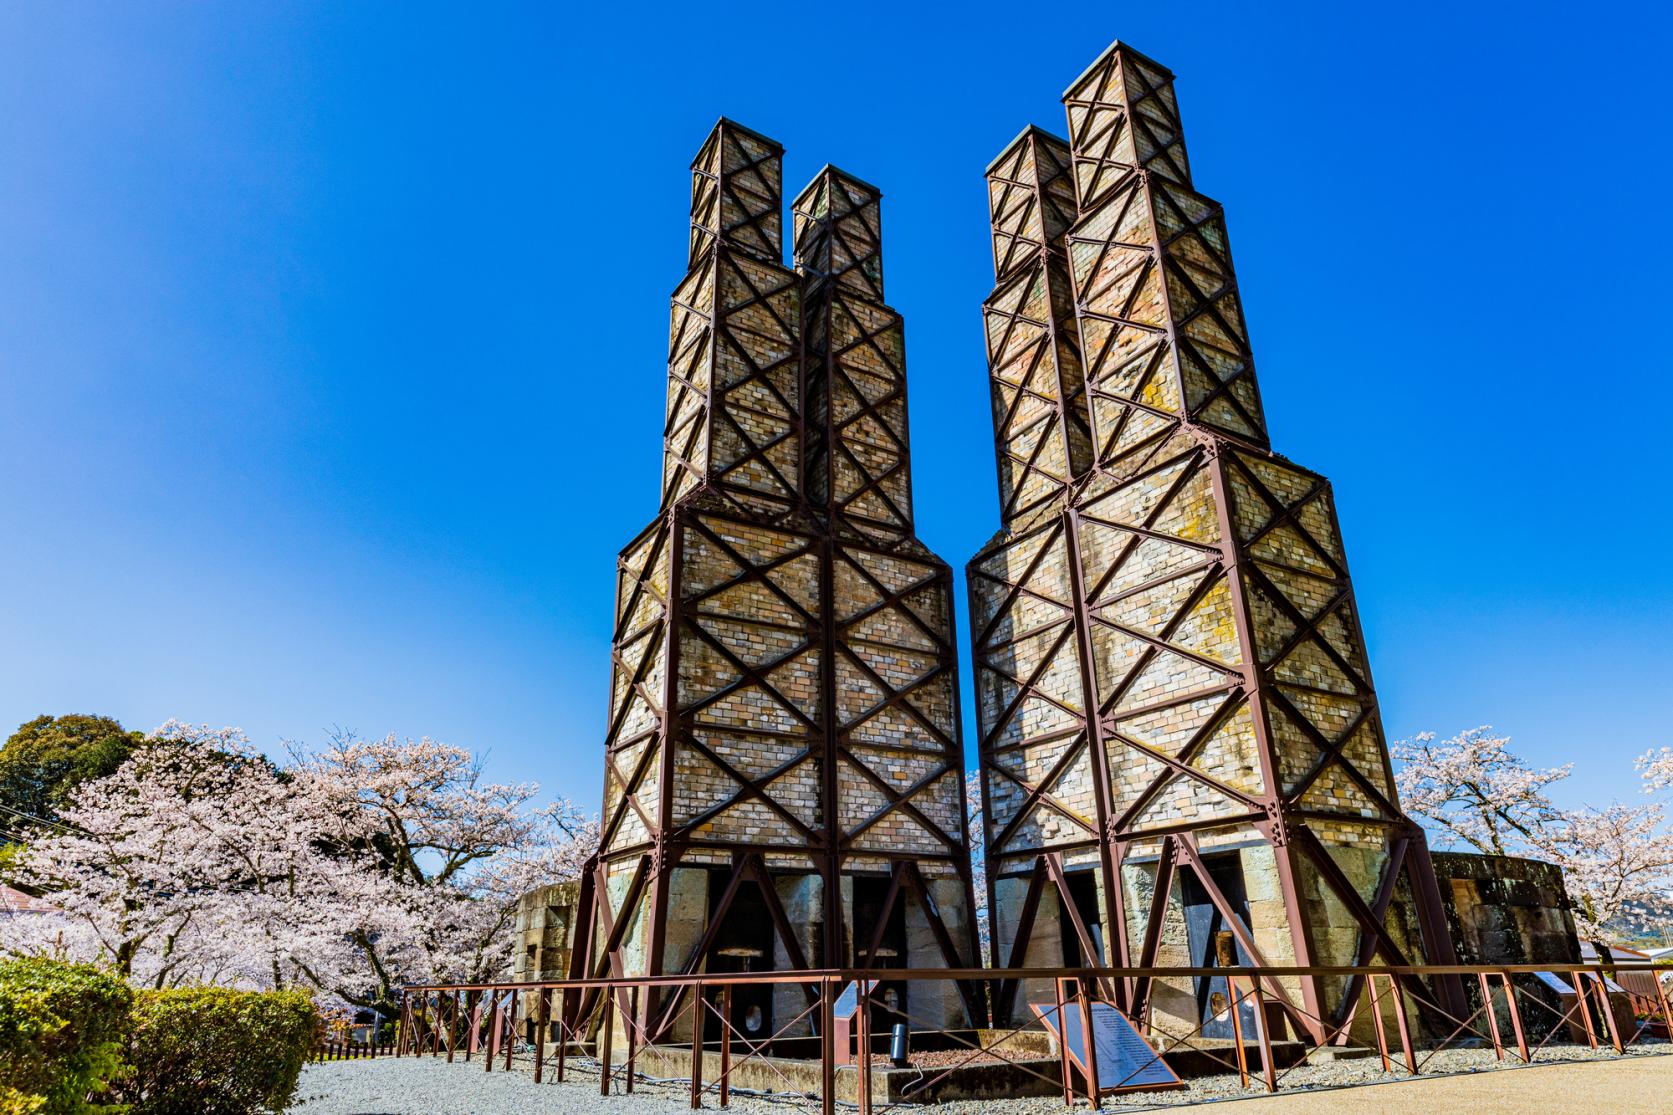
x: 14, y: 901
x: 1588, y: 952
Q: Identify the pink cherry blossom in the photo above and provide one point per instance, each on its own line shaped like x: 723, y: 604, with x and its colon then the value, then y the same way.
x: 349, y: 870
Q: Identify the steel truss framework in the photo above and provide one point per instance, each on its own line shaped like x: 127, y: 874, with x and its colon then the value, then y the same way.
x: 1166, y: 647
x: 784, y: 684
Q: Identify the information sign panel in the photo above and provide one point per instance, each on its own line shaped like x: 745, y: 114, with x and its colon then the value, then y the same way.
x: 848, y: 1003
x: 1123, y: 1059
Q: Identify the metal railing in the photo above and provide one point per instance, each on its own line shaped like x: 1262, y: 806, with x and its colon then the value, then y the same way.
x: 828, y: 1060
x: 344, y: 1049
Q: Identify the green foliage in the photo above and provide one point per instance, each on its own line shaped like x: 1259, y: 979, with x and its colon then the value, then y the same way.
x: 61, y: 1032
x: 215, y: 1051
x: 47, y: 758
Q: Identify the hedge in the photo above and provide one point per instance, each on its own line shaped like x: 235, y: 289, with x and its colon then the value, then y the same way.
x: 215, y: 1051
x: 61, y: 1036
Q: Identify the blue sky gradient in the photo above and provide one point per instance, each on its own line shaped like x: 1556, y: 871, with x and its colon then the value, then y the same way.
x: 332, y: 337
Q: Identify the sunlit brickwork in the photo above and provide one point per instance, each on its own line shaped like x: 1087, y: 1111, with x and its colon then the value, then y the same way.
x: 783, y: 710
x: 1167, y: 654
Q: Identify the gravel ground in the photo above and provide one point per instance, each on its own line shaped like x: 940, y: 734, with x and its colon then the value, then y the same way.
x: 409, y: 1086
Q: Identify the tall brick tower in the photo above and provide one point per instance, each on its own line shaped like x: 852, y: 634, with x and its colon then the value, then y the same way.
x: 783, y: 778
x: 1172, y: 685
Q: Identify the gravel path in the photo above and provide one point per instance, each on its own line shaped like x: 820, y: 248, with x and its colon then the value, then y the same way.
x: 1455, y: 1080
x: 422, y: 1086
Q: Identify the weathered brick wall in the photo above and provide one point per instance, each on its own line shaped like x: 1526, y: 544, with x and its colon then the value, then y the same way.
x: 734, y: 375
x: 1032, y: 735
x: 784, y: 683
x: 1177, y: 612
x: 751, y: 727
x: 1042, y: 442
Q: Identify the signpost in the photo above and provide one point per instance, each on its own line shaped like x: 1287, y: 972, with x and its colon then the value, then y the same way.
x: 842, y: 1019
x: 1562, y: 987
x: 1119, y: 1053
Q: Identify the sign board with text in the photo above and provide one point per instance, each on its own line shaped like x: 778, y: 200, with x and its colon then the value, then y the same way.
x: 1123, y: 1059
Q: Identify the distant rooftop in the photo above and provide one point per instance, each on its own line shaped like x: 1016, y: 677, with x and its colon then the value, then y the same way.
x: 14, y: 901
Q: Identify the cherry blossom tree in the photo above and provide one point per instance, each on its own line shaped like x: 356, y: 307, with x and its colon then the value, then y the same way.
x: 1656, y: 768
x: 1617, y: 861
x: 1472, y: 789
x: 351, y: 870
x: 975, y: 827
x: 32, y: 927
x: 128, y: 859
x: 440, y: 855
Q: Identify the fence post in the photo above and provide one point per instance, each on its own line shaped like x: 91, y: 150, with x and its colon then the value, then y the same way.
x: 1377, y: 1021
x: 401, y: 1023
x: 563, y: 1029
x: 1237, y: 1031
x: 1400, y: 1020
x: 1515, y: 1017
x: 697, y: 1021
x: 1086, y: 1040
x: 1065, y: 1066
x: 543, y: 1004
x: 827, y: 1048
x: 608, y: 1000
x: 1582, y: 1004
x: 1492, y: 1015
x: 510, y: 1028
x: 1268, y: 1069
x: 862, y: 1055
x: 1608, y: 1011
x: 632, y: 1020
x: 489, y: 1015
x: 726, y: 1045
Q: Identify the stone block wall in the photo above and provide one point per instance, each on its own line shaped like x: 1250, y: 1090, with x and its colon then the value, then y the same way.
x: 1507, y: 910
x: 544, y: 937
x: 545, y: 932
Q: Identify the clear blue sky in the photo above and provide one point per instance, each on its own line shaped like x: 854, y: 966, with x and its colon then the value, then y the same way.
x: 332, y: 336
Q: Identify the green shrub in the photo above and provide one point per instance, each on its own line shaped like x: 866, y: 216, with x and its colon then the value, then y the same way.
x: 214, y: 1051
x: 61, y: 1033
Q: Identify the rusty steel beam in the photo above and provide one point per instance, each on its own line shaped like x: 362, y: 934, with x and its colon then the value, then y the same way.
x: 783, y: 647
x: 1167, y: 650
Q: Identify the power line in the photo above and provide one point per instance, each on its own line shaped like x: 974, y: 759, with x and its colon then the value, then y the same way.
x: 60, y: 825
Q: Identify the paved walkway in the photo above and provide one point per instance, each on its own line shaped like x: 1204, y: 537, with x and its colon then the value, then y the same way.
x: 1640, y: 1085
